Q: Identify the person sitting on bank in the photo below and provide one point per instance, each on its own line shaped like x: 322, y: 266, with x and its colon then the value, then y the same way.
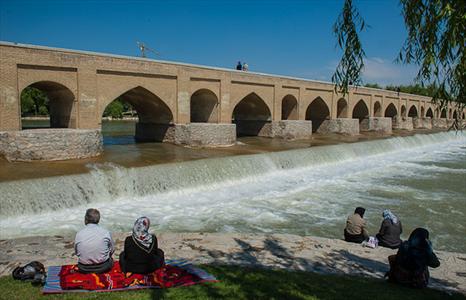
x: 141, y: 254
x: 355, y: 230
x: 390, y: 231
x: 410, y: 266
x: 239, y: 66
x: 94, y: 245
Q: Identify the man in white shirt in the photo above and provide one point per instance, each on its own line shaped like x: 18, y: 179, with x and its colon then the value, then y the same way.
x: 94, y: 245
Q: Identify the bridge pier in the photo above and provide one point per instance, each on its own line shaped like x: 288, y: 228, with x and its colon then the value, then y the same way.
x: 194, y: 134
x: 50, y: 144
x: 292, y: 129
x: 378, y: 124
x: 340, y: 125
x: 440, y: 123
x: 402, y: 123
x: 422, y: 123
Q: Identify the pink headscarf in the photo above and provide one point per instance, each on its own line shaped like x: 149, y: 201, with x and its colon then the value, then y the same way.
x: 141, y: 231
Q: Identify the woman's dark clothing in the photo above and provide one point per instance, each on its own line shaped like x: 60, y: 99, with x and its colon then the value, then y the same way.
x: 139, y: 259
x: 410, y: 266
x: 389, y: 234
x: 354, y: 238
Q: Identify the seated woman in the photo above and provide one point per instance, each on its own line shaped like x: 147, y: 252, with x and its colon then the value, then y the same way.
x: 355, y: 230
x: 390, y: 231
x: 141, y: 254
x: 410, y: 265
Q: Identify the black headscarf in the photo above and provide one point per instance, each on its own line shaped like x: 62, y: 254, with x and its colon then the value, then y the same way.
x: 360, y: 211
x: 416, y: 253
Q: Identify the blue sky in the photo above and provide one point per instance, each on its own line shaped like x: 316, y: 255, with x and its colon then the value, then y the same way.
x: 281, y: 37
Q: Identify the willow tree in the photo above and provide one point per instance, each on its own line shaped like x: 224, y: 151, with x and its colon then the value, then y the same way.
x: 435, y: 42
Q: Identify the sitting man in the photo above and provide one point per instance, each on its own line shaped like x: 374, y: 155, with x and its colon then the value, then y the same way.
x: 355, y: 230
x: 94, y: 245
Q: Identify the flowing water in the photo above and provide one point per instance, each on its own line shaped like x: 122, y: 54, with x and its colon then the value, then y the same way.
x: 308, y: 191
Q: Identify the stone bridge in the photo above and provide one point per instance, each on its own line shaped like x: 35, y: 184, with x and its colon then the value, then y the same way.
x: 184, y: 104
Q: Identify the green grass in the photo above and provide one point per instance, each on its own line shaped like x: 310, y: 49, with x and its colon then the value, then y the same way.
x: 246, y: 283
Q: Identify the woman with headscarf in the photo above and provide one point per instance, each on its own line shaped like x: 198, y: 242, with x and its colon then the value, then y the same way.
x: 410, y: 266
x: 355, y: 230
x: 141, y: 254
x: 390, y: 231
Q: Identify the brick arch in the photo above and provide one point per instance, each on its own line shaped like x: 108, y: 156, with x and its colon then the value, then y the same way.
x: 250, y: 115
x: 403, y: 111
x: 342, y: 108
x: 377, y: 109
x: 289, y: 108
x: 150, y: 98
x: 204, y: 106
x: 391, y: 111
x: 413, y: 112
x: 430, y: 113
x: 61, y: 103
x: 360, y: 110
x: 317, y: 112
x: 443, y: 114
x: 242, y: 94
x: 150, y: 108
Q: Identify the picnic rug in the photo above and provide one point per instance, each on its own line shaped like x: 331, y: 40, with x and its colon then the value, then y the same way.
x: 67, y: 279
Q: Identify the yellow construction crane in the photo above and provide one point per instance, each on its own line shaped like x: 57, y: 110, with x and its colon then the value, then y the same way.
x: 144, y: 48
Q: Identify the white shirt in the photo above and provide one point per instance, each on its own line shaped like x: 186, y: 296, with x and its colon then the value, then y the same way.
x: 93, y: 245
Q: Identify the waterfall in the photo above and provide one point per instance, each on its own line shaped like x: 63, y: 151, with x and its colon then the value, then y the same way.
x: 107, y: 182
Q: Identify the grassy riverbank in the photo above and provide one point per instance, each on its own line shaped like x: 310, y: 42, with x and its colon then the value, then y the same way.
x: 245, y: 283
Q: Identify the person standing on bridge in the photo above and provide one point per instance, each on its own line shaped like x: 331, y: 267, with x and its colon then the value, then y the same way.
x: 239, y: 66
x: 245, y: 67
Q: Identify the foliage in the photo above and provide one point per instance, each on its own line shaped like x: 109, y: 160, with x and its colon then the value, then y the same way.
x: 117, y: 108
x: 346, y: 29
x: 373, y: 85
x: 34, y: 102
x: 416, y: 89
x: 435, y: 42
x: 249, y: 283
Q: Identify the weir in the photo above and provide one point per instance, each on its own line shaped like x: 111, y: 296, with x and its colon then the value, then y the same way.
x: 107, y: 182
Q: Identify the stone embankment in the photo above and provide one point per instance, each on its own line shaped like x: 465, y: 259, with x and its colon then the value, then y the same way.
x: 50, y: 144
x: 290, y: 252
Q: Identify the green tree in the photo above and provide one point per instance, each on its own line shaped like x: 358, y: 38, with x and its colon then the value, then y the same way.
x: 34, y: 102
x: 114, y: 110
x: 435, y: 42
x: 373, y: 85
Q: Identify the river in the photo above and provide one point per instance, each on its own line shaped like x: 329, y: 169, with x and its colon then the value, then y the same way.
x: 305, y: 191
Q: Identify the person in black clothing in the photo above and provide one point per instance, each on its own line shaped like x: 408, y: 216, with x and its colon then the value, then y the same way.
x: 141, y: 254
x: 390, y: 231
x: 239, y: 66
x: 410, y: 266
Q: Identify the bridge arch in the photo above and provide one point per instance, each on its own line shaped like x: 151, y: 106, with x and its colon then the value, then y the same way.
x: 390, y: 111
x: 413, y: 112
x: 204, y: 107
x: 444, y: 113
x: 377, y: 109
x: 455, y: 114
x: 430, y: 113
x: 403, y: 111
x: 342, y: 108
x: 154, y: 115
x: 360, y: 111
x: 450, y: 113
x: 289, y: 108
x: 250, y: 115
x: 59, y: 103
x: 317, y: 112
